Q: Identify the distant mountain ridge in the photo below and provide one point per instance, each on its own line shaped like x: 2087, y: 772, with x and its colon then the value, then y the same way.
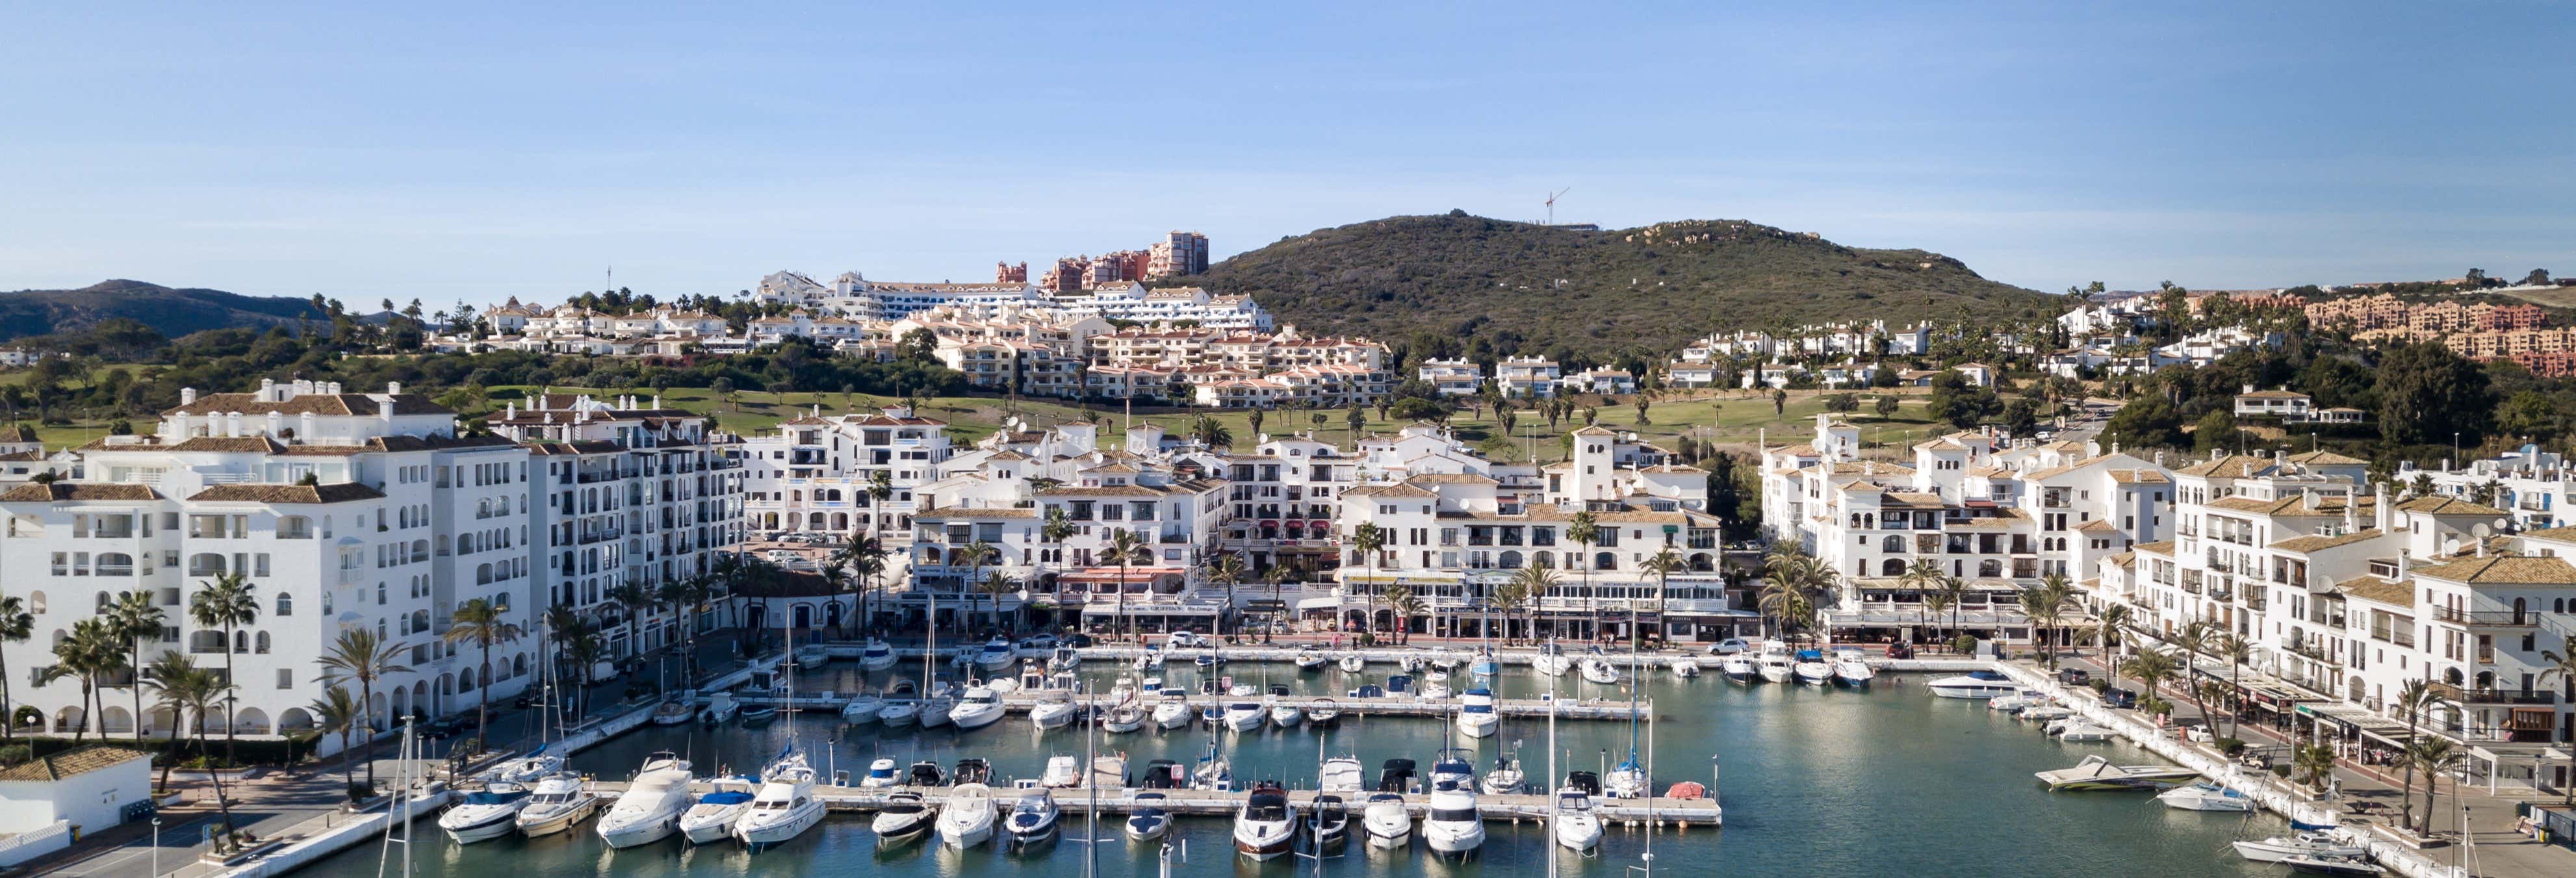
x: 1538, y: 287
x: 173, y: 312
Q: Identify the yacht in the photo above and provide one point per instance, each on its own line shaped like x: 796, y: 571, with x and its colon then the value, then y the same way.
x: 904, y: 817
x: 875, y: 655
x: 1386, y: 821
x: 1434, y: 690
x: 1033, y: 821
x: 2308, y: 844
x: 1811, y: 668
x: 1485, y: 665
x: 558, y: 802
x: 1476, y: 716
x: 971, y: 770
x: 1354, y: 663
x: 1340, y: 774
x: 1850, y: 669
x: 1452, y: 769
x: 2097, y: 773
x: 1739, y: 668
x: 811, y: 656
x: 1244, y: 716
x: 1172, y: 710
x: 925, y: 773
x: 1453, y: 829
x: 1977, y: 685
x: 784, y: 808
x: 1108, y: 771
x: 1323, y: 714
x: 1061, y: 772
x: 979, y: 709
x: 1265, y: 826
x: 2047, y: 713
x: 902, y: 705
x: 1396, y: 776
x: 673, y: 712
x: 1331, y: 825
x: 1506, y: 778
x: 1065, y: 659
x: 1627, y: 779
x: 2078, y: 731
x: 1213, y: 772
x: 1575, y: 825
x: 1148, y: 820
x: 1412, y: 664
x: 1446, y: 661
x: 937, y: 709
x: 720, y: 709
x: 759, y: 715
x: 1773, y: 662
x: 997, y: 655
x: 966, y: 820
x: 862, y: 709
x: 526, y: 770
x: 2206, y: 797
x: 1123, y: 719
x: 1310, y: 659
x: 1055, y: 710
x: 713, y: 817
x: 2310, y: 864
x: 649, y: 810
x: 485, y: 814
x: 1552, y: 661
x: 1285, y: 715
x: 1598, y: 669
x: 881, y: 773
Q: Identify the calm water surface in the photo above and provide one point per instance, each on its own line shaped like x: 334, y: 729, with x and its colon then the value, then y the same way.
x: 1814, y: 782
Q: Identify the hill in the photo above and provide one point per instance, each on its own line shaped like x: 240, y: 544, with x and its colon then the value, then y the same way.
x: 1533, y: 288
x: 174, y: 312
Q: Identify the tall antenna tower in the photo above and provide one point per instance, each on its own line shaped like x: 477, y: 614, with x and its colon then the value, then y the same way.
x: 1551, y: 204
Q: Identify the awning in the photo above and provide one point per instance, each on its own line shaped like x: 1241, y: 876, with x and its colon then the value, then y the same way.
x: 2387, y: 730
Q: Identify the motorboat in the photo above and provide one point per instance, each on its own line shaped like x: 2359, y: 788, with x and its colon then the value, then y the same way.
x: 966, y: 818
x: 527, y: 770
x: 875, y: 655
x: 1108, y: 771
x: 1241, y: 690
x: 649, y: 810
x: 1387, y: 822
x: 2079, y: 731
x: 1148, y: 820
x: 2206, y: 796
x: 2309, y: 864
x: 1033, y: 820
x: 673, y: 712
x: 1123, y: 719
x: 1686, y: 667
x: 1365, y: 691
x: 1476, y: 716
x: 980, y: 708
x: 1033, y: 677
x: 1310, y: 659
x: 1265, y: 825
x: 881, y: 773
x: 1811, y: 668
x: 1061, y: 772
x: 902, y: 705
x: 1286, y: 715
x: 1323, y: 713
x: 1552, y: 661
x: 1976, y: 685
x: 925, y: 773
x: 996, y: 655
x: 1142, y: 663
x: 1739, y: 668
x: 759, y: 715
x: 904, y: 817
x: 1434, y: 690
x: 2305, y: 844
x: 2046, y: 712
x: 811, y: 656
x: 1244, y: 716
x: 862, y: 708
x: 1340, y: 774
x: 558, y: 802
x: 1446, y: 661
x: 713, y: 817
x: 1354, y: 663
x: 2016, y: 702
x: 1395, y: 776
x: 1066, y: 658
x: 971, y: 770
x: 936, y: 709
x: 1452, y: 768
x: 1453, y: 829
x: 1164, y: 774
x: 1399, y: 685
x: 1436, y: 675
x: 1330, y: 825
x: 1172, y: 711
x: 1850, y: 669
x: 1412, y: 664
x: 785, y: 806
x: 1627, y: 780
x: 1598, y: 669
x: 2097, y: 773
x: 1505, y: 778
x: 1773, y: 662
x: 1485, y: 665
x: 485, y: 814
x: 1575, y: 825
x: 720, y: 709
x: 1055, y: 710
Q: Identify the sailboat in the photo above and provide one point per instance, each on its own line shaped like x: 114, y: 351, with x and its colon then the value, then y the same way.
x: 936, y: 700
x: 1628, y: 779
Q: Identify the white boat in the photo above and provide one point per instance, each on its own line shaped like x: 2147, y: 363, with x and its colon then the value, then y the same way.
x: 649, y: 810
x: 875, y: 655
x: 1354, y: 663
x: 2015, y: 702
x: 2310, y: 864
x: 1286, y: 716
x: 1976, y: 685
x: 1066, y: 658
x: 881, y: 773
x: 967, y: 818
x: 2097, y: 773
x: 673, y: 712
x: 1061, y: 772
x: 1034, y: 819
x: 1386, y: 821
x: 937, y: 709
x: 1341, y: 774
x: 485, y: 814
x: 1412, y: 664
x: 2046, y: 713
x: 785, y: 806
x: 1241, y: 690
x: 559, y: 802
x: 1574, y: 824
x: 720, y: 709
x: 1055, y: 710
x: 1435, y: 690
x: 2206, y: 796
x: 2308, y: 844
x: 2079, y: 731
x: 1552, y: 661
x: 1324, y: 713
x: 1476, y: 716
x: 1244, y: 716
x: 1773, y: 662
x: 1598, y: 669
x: 1811, y: 668
x: 1453, y: 829
x: 1148, y: 820
x: 1626, y: 781
x: 527, y: 770
x: 714, y: 815
x: 897, y: 714
x: 811, y: 656
x: 1485, y: 665
x: 903, y: 818
x: 1172, y: 710
x: 1212, y: 772
x: 1310, y: 659
x: 1264, y: 826
x: 862, y: 709
x: 1739, y: 668
x: 997, y: 655
x: 1505, y: 778
x: 979, y: 709
x: 1686, y: 667
x: 1123, y: 719
x: 1852, y: 670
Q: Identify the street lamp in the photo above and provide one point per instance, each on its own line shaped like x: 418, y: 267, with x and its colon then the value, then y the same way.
x: 156, y: 847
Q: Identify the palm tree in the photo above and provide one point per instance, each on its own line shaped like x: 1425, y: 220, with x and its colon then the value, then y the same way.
x: 867, y: 558
x: 1369, y: 539
x: 2190, y: 642
x: 1211, y: 432
x: 1954, y: 592
x: 135, y: 617
x: 2114, y: 619
x: 996, y: 584
x: 92, y: 650
x: 2413, y: 697
x: 976, y: 555
x: 169, y: 672
x: 1662, y: 567
x: 193, y: 692
x: 836, y: 576
x: 2045, y: 606
x: 1407, y: 605
x: 226, y: 603
x: 362, y: 657
x: 338, y: 713
x: 685, y: 595
x: 2237, y: 651
x: 1919, y: 578
x: 2433, y: 755
x: 1227, y: 571
x: 634, y: 598
x: 2315, y: 762
x: 1794, y: 584
x: 1583, y: 530
x: 1533, y: 583
x: 2151, y: 669
x: 1126, y: 547
x: 1937, y: 602
x: 480, y: 623
x: 16, y: 626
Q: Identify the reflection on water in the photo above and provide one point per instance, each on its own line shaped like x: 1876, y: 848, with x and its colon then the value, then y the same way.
x: 1814, y: 781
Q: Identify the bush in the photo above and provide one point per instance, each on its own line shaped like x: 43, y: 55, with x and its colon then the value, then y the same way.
x: 2281, y: 771
x: 16, y: 753
x: 360, y: 792
x: 249, y: 752
x: 2100, y: 685
x: 1963, y: 644
x: 2230, y: 746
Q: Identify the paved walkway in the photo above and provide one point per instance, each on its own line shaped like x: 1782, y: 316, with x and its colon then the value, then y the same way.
x: 2371, y: 794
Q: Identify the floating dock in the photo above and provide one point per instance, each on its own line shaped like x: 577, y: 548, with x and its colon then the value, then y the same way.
x: 1604, y: 708
x: 1507, y: 808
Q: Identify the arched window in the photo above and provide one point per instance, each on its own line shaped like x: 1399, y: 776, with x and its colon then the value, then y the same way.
x: 241, y: 641
x: 1892, y: 543
x: 260, y: 645
x: 115, y: 564
x: 482, y: 574
x: 1511, y: 560
x: 1892, y: 567
x: 501, y: 602
x: 285, y: 604
x: 36, y: 602
x: 1605, y: 561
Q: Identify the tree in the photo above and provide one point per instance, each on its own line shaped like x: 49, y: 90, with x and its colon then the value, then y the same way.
x: 135, y: 618
x: 2110, y: 627
x: 1842, y: 403
x: 976, y: 555
x: 361, y: 657
x: 188, y: 691
x: 996, y: 584
x: 2145, y: 422
x: 2539, y: 277
x: 1368, y: 538
x: 2045, y: 605
x: 2435, y: 756
x: 723, y: 388
x: 228, y: 603
x: 1227, y: 571
x: 1418, y: 409
x: 1211, y: 432
x: 17, y: 625
x: 480, y: 623
x: 2189, y: 643
x: 1794, y: 581
x: 1779, y: 403
x: 1886, y: 406
x: 336, y: 713
x: 1641, y: 411
x: 2530, y: 414
x: 2426, y: 393
x: 1357, y: 418
x: 2413, y: 697
x: 2314, y: 763
x: 2150, y: 668
x: 1662, y: 565
x: 1406, y: 605
x: 1961, y: 404
x: 92, y: 649
x: 1126, y: 547
x: 1583, y: 529
x: 2237, y: 651
x: 2216, y: 431
x: 1530, y: 586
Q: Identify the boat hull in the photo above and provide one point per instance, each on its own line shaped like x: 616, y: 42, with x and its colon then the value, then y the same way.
x: 500, y: 823
x: 709, y: 830
x: 559, y: 821
x: 760, y: 836
x: 641, y: 832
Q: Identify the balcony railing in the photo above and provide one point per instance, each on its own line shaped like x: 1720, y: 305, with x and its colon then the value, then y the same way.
x: 2487, y: 618
x: 2465, y: 695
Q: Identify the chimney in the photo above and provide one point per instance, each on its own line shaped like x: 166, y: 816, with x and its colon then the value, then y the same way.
x: 2380, y: 510
x: 393, y: 388
x: 187, y: 396
x: 267, y: 390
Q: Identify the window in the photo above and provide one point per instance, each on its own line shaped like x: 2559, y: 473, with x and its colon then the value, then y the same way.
x: 285, y: 604
x: 285, y: 678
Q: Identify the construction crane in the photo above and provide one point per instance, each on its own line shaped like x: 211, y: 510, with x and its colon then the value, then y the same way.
x: 1551, y: 204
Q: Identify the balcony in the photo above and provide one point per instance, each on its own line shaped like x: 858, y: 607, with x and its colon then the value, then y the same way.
x: 2487, y: 618
x: 2464, y: 695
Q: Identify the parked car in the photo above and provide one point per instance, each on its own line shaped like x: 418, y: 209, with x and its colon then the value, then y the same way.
x: 2120, y: 698
x: 1729, y: 646
x: 1900, y: 650
x: 2075, y: 676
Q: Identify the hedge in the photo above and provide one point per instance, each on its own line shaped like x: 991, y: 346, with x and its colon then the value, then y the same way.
x: 251, y: 752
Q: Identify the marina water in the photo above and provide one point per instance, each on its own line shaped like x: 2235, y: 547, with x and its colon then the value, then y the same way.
x: 1890, y: 781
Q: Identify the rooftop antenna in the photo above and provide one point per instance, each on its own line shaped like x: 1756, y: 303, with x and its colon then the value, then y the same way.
x: 1551, y: 204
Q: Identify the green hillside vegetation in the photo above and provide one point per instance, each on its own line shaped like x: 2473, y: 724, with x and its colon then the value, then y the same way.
x: 1596, y: 295
x: 171, y: 312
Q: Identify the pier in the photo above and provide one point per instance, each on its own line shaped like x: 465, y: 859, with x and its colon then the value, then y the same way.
x: 1508, y: 808
x: 1524, y: 708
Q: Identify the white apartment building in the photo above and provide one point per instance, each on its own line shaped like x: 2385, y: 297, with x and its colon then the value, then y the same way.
x: 2536, y: 487
x: 848, y: 474
x: 1452, y: 377
x: 1527, y: 377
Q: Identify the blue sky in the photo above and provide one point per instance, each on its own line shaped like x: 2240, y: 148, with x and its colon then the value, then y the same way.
x: 468, y: 152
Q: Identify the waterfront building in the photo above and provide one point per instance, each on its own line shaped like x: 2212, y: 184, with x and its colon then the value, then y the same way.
x: 844, y: 475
